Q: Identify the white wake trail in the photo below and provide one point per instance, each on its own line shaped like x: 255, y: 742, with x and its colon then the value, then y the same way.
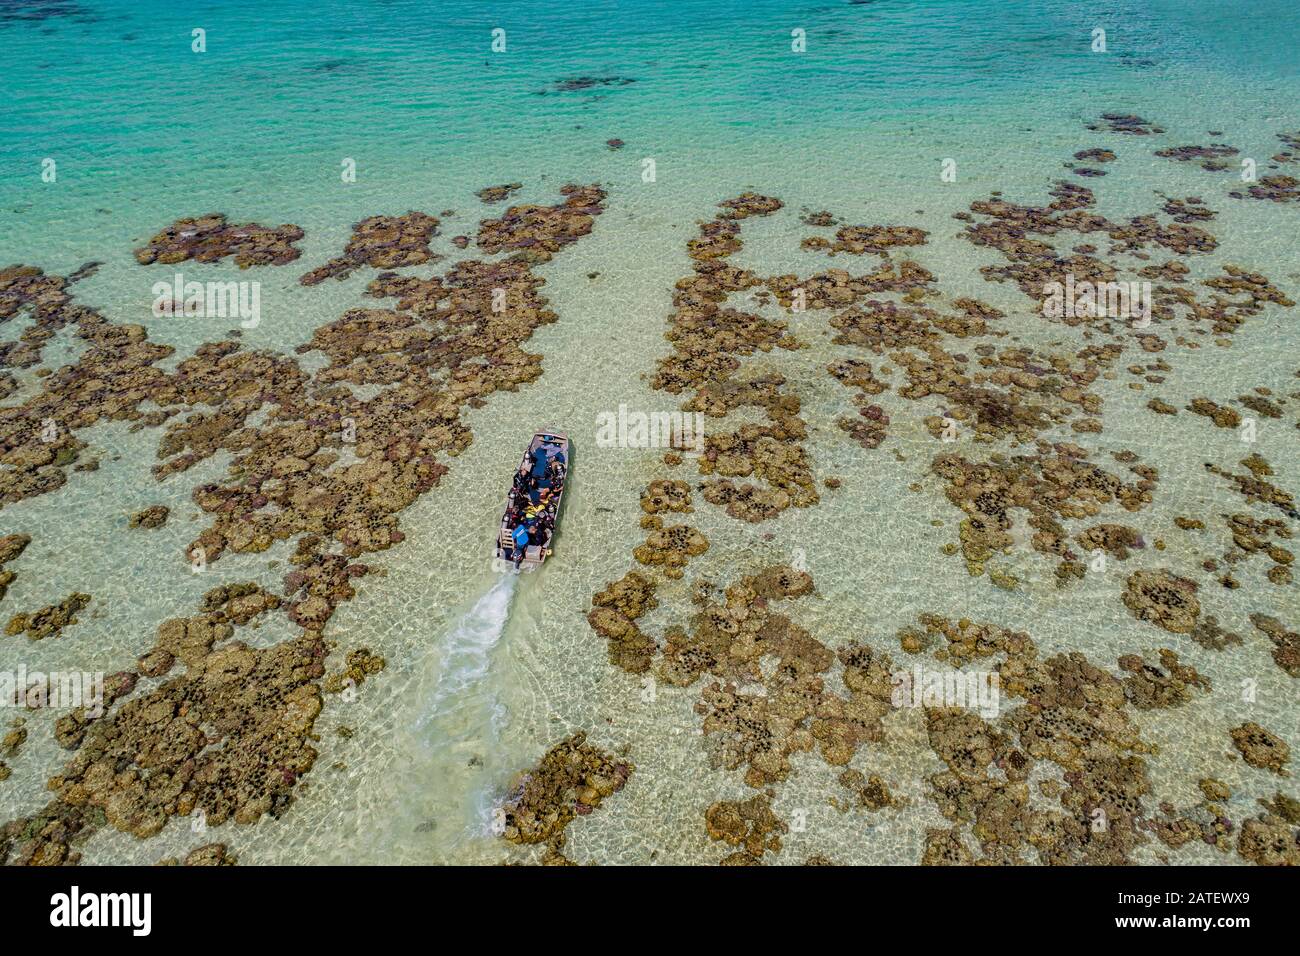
x: 466, y: 658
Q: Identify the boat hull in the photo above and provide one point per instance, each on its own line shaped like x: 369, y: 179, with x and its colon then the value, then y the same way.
x: 535, y: 555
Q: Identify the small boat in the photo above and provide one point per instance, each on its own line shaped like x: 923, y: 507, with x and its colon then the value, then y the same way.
x: 546, y: 445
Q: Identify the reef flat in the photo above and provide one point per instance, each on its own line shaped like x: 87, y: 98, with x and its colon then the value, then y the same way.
x: 968, y: 537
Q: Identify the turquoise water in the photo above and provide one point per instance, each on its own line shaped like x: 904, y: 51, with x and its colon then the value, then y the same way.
x: 144, y: 131
x: 412, y: 91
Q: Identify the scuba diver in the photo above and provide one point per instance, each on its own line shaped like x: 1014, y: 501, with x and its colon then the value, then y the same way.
x: 523, y: 481
x: 520, y: 538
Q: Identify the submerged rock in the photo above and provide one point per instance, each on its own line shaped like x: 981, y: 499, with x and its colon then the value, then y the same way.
x: 874, y: 240
x: 577, y: 84
x: 211, y: 238
x: 11, y: 546
x: 572, y: 779
x: 491, y: 194
x: 48, y: 621
x: 613, y: 616
x: 1260, y: 748
x: 1163, y: 599
x: 1286, y: 643
x: 155, y: 516
x: 748, y: 824
x: 382, y: 242
x: 1127, y: 123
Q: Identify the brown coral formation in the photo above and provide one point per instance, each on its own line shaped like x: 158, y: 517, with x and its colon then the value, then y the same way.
x: 1113, y: 539
x: 666, y: 494
x: 211, y: 238
x: 870, y: 792
x: 1261, y: 748
x: 1221, y: 415
x: 753, y: 716
x: 945, y: 848
x: 231, y: 737
x: 613, y: 616
x: 381, y: 242
x: 821, y: 218
x: 1070, y: 714
x: 538, y: 232
x: 708, y: 340
x: 1036, y: 265
x: 1251, y: 536
x: 70, y: 729
x: 748, y: 824
x: 11, y: 546
x: 361, y: 663
x: 871, y: 426
x: 1260, y: 403
x: 210, y: 854
x: 1049, y: 488
x: 870, y: 429
x: 1255, y: 488
x: 868, y: 240
x: 1095, y: 155
x: 1286, y: 643
x: 1161, y: 407
x: 757, y: 717
x: 48, y: 621
x: 749, y: 204
x: 671, y: 548
x: 491, y: 194
x: 1168, y: 684
x: 1209, y: 157
x: 1128, y: 124
x: 12, y: 743
x: 14, y: 739
x: 1272, y: 189
x: 1270, y: 840
x: 1191, y: 209
x: 572, y: 779
x: 228, y: 739
x: 155, y: 516
x: 1210, y: 635
x: 1291, y: 153
x: 1163, y: 599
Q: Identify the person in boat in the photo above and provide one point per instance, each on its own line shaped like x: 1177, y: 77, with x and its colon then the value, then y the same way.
x: 521, y: 497
x: 545, y: 484
x: 520, y: 538
x: 523, y: 481
x: 546, y: 526
x: 538, y: 476
x: 545, y: 509
x: 556, y: 476
x: 540, y: 462
x: 536, y: 533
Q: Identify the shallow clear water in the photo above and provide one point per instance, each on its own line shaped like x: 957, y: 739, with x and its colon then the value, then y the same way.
x: 484, y: 673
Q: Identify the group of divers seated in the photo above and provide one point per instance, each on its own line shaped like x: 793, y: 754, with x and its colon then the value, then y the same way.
x: 533, y: 500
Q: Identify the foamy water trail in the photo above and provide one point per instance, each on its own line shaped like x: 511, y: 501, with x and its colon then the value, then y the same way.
x: 466, y: 657
x: 462, y: 719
